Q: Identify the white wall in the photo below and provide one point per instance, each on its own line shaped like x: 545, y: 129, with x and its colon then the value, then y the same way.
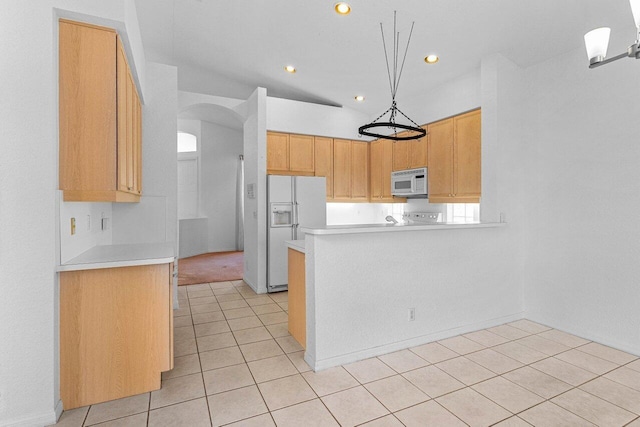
x: 284, y: 115
x: 220, y: 150
x: 155, y: 218
x: 583, y: 196
x: 28, y: 181
x: 255, y: 218
x: 193, y: 237
x: 29, y: 366
x: 454, y: 97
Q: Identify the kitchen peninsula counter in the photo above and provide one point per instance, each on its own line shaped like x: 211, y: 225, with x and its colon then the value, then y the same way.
x: 384, y: 228
x: 362, y: 281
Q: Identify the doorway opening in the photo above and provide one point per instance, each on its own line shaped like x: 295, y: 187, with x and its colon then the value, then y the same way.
x: 211, y: 267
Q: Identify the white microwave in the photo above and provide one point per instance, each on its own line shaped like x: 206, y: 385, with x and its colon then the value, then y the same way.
x: 409, y: 183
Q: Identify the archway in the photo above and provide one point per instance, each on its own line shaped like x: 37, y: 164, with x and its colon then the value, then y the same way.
x: 211, y: 236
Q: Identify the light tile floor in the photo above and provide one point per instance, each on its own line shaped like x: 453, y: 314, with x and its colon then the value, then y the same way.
x: 236, y: 365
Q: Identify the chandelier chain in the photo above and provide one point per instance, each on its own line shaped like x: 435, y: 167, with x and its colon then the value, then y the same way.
x: 415, y: 131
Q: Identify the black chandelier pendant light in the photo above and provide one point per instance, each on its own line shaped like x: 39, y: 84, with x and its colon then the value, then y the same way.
x: 375, y: 128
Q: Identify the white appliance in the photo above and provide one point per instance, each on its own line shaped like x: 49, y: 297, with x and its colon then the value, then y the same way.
x: 409, y: 183
x: 422, y: 218
x: 293, y: 202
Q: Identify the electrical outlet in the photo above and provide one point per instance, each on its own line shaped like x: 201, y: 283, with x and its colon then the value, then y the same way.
x: 73, y: 226
x: 104, y: 221
x: 503, y: 217
x: 412, y: 314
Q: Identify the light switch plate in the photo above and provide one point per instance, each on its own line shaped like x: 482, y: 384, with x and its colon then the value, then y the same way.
x: 73, y: 226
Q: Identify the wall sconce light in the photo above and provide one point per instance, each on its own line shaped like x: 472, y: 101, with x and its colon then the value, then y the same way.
x: 597, y: 41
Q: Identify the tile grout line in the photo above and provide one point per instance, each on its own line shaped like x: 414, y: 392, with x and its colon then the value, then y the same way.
x: 524, y: 365
x: 558, y: 379
x: 396, y: 373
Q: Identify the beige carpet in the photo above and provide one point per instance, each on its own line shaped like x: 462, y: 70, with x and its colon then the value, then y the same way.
x: 211, y: 267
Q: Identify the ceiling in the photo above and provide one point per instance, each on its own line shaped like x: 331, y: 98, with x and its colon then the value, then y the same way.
x: 229, y: 48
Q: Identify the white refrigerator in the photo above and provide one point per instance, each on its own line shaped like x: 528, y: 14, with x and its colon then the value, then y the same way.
x: 293, y: 202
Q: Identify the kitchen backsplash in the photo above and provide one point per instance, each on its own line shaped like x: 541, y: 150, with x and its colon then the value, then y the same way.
x: 375, y: 213
x: 362, y: 213
x: 88, y: 227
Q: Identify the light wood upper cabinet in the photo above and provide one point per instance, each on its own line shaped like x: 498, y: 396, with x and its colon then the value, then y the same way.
x: 400, y: 154
x: 466, y: 155
x: 376, y: 169
x: 409, y: 154
x: 440, y: 167
x: 454, y: 159
x: 301, y: 153
x: 122, y: 86
x: 350, y: 170
x: 290, y: 154
x: 323, y: 158
x: 130, y: 121
x: 418, y: 152
x: 341, y: 169
x: 138, y: 140
x: 277, y: 152
x: 381, y: 160
x: 96, y: 161
x: 360, y: 171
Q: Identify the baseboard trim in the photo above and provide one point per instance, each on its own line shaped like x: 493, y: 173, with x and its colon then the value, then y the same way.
x: 331, y: 362
x: 59, y: 408
x: 253, y: 286
x: 309, y: 359
x: 43, y: 419
x: 573, y: 330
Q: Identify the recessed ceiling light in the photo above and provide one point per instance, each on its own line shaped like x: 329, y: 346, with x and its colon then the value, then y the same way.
x: 359, y: 98
x: 431, y: 59
x: 342, y: 8
x: 290, y: 69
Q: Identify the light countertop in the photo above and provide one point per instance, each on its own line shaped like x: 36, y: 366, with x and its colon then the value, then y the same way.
x: 384, y: 228
x: 110, y: 256
x: 296, y: 245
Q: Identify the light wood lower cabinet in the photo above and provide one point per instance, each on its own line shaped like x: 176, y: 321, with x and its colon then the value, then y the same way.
x: 297, y: 297
x: 116, y: 332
